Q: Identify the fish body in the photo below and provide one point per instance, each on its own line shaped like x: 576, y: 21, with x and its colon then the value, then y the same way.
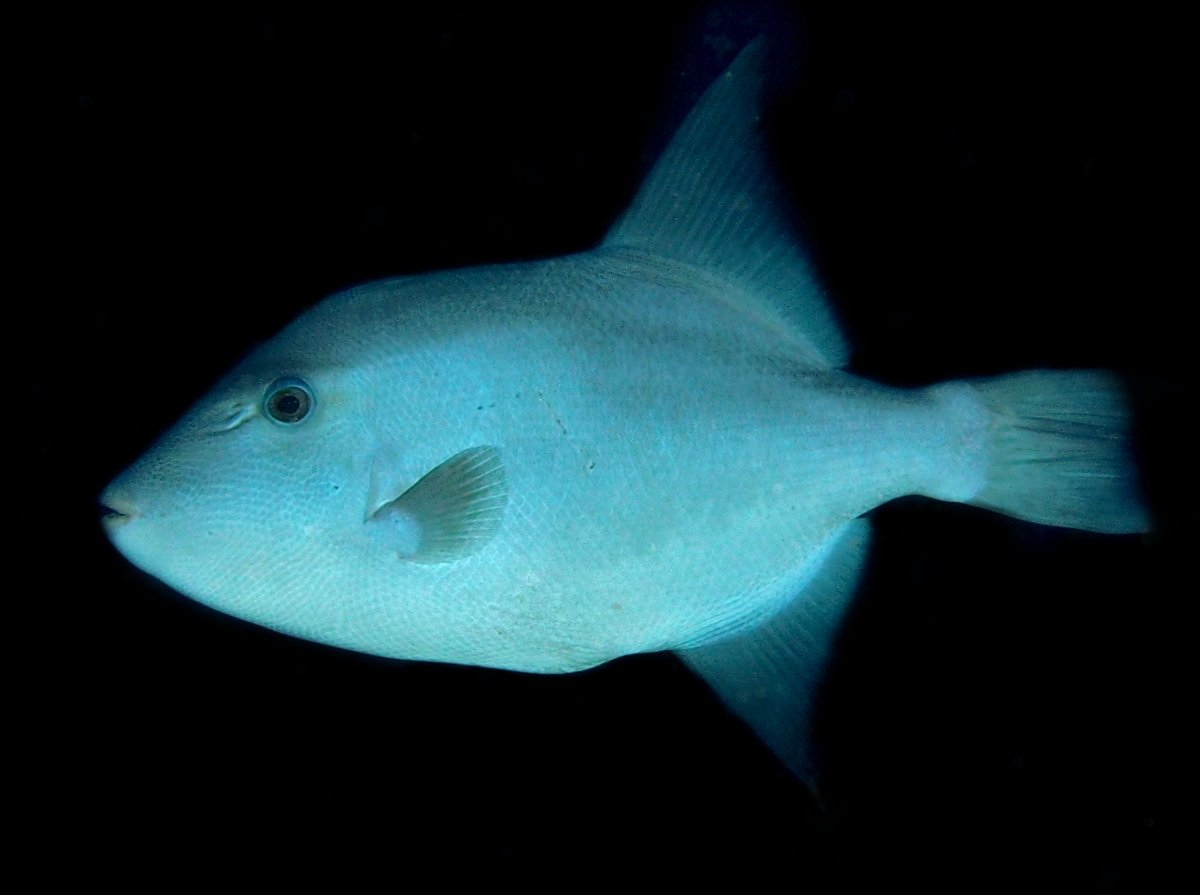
x: 650, y: 446
x: 642, y: 416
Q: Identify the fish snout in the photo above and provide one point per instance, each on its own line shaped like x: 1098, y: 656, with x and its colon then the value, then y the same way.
x: 119, y: 507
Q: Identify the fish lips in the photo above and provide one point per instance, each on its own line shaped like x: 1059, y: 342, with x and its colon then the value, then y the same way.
x: 119, y: 508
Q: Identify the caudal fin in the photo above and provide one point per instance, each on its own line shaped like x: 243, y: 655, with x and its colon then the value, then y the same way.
x: 1060, y: 451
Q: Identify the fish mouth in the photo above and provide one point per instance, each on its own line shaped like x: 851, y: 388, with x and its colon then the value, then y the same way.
x: 118, y: 509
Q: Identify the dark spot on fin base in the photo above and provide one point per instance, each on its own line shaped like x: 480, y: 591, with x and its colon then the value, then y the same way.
x: 456, y: 507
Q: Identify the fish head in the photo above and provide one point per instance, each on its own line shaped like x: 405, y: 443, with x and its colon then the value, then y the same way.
x: 328, y: 488
x: 241, y: 504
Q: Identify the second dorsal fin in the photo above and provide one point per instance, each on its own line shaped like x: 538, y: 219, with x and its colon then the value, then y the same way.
x: 711, y: 201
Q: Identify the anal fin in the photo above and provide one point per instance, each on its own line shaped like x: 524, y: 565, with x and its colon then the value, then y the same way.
x: 770, y: 676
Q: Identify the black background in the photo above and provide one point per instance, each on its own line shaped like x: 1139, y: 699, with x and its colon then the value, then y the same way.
x: 983, y: 189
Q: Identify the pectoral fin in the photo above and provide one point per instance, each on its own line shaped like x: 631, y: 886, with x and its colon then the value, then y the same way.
x: 451, y: 512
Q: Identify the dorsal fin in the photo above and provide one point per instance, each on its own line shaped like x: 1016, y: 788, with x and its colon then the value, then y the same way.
x: 710, y: 201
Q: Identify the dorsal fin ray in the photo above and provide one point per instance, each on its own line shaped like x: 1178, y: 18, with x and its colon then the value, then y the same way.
x: 711, y: 201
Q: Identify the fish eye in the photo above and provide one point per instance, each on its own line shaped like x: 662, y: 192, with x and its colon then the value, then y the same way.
x: 289, y: 401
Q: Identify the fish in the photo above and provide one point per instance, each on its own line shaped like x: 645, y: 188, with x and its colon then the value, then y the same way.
x: 650, y: 446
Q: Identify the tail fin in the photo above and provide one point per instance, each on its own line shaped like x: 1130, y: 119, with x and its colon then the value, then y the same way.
x: 1060, y: 451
